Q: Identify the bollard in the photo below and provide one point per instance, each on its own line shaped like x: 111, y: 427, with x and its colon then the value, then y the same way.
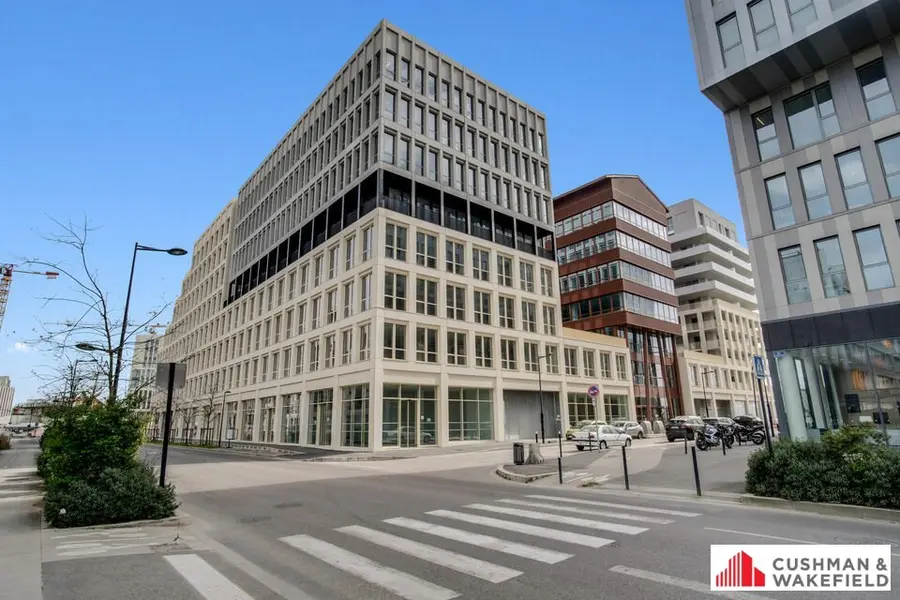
x: 559, y: 460
x: 590, y: 443
x: 535, y: 437
x: 722, y: 440
x: 696, y: 469
x: 685, y: 442
x: 625, y: 467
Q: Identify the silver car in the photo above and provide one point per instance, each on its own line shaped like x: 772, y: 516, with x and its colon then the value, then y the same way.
x: 632, y: 428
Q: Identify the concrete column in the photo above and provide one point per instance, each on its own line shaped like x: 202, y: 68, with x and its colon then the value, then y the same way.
x: 257, y: 420
x: 376, y: 406
x: 279, y: 409
x: 337, y: 409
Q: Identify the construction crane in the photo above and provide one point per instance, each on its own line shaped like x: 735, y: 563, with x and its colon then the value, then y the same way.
x: 6, y: 273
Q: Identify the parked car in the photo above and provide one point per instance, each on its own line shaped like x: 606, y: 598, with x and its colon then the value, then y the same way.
x: 632, y: 428
x: 750, y: 421
x: 570, y: 432
x: 601, y: 435
x: 683, y: 427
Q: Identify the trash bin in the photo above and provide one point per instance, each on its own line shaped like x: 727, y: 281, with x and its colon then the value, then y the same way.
x: 519, y: 454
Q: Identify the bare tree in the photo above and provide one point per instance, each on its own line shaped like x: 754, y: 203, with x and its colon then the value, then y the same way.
x: 93, y: 324
x: 208, y: 406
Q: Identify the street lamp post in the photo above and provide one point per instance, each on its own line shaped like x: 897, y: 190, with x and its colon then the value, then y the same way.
x: 222, y: 417
x: 703, y: 375
x: 118, y: 362
x: 541, y: 394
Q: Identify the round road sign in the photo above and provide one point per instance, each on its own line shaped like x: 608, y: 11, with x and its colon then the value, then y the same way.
x: 594, y: 391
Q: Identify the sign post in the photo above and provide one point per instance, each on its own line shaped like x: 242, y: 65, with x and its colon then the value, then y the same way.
x: 759, y: 368
x: 171, y: 376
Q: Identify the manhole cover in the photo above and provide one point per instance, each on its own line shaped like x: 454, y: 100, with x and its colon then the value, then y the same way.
x: 249, y: 520
x: 289, y: 505
x: 867, y: 541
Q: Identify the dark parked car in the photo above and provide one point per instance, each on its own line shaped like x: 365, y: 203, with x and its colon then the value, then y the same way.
x: 680, y: 427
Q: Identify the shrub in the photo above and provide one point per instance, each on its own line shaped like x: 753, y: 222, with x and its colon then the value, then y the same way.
x: 4, y: 442
x: 852, y: 465
x: 118, y: 495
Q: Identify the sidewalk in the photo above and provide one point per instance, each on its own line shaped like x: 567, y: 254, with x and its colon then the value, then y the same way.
x: 20, y: 523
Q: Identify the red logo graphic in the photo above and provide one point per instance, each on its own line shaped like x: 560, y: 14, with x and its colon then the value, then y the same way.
x: 740, y: 572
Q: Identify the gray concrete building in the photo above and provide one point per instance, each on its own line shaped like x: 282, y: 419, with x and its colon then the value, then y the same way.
x: 808, y: 89
x: 7, y: 393
x: 143, y: 368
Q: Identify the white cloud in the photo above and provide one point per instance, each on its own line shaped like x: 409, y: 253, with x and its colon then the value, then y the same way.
x: 21, y: 347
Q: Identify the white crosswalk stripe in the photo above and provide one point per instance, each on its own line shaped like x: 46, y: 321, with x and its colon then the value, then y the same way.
x: 561, y: 519
x: 452, y: 560
x: 405, y: 586
x: 534, y: 530
x: 661, y: 511
x: 588, y: 511
x: 208, y: 582
x: 483, y: 541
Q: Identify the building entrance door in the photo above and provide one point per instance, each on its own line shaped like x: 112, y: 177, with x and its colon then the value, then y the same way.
x: 409, y: 423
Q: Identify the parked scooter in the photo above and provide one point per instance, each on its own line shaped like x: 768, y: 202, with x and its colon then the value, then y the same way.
x: 713, y: 436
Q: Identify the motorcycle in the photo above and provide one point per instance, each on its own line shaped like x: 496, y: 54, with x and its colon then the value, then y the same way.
x: 753, y: 434
x: 713, y: 436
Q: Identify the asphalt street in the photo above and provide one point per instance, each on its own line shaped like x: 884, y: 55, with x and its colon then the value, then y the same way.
x: 465, y: 534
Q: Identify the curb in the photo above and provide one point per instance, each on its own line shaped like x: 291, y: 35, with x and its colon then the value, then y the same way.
x: 364, y: 458
x: 521, y: 478
x: 176, y: 521
x: 826, y: 509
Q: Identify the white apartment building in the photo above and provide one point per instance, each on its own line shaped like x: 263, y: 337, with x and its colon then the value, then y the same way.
x: 143, y: 369
x: 391, y: 278
x: 717, y: 310
x: 7, y: 392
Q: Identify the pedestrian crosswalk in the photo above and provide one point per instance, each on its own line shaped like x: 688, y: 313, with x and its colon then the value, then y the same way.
x: 19, y: 484
x: 547, y: 529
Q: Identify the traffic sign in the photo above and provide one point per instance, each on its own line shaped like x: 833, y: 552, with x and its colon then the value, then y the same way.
x: 594, y: 391
x: 759, y: 366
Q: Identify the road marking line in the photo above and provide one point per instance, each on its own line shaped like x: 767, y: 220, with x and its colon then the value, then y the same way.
x: 482, y: 541
x: 210, y: 584
x: 771, y: 537
x: 574, y: 521
x: 587, y: 511
x: 686, y: 584
x: 405, y: 586
x: 535, y: 530
x: 445, y: 558
x: 661, y: 511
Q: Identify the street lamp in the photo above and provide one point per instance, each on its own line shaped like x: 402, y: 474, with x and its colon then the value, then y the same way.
x: 222, y: 417
x: 703, y: 374
x: 137, y: 247
x: 541, y: 393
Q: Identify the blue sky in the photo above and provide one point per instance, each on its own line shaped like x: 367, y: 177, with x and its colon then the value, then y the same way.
x: 145, y: 118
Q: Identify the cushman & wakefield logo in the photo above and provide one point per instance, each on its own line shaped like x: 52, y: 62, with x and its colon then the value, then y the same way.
x: 830, y: 568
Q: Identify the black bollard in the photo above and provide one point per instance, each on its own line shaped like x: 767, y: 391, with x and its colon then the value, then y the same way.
x: 625, y: 468
x: 685, y: 442
x: 696, y: 469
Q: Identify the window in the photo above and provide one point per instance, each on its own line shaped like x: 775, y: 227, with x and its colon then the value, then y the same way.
x: 763, y: 21
x: 331, y: 306
x: 395, y: 242
x: 621, y: 367
x: 426, y: 249
x: 507, y: 312
x: 529, y: 316
x: 526, y: 276
x: 766, y: 138
x: 456, y: 302
x: 813, y: 182
x: 531, y: 356
x: 853, y: 179
x: 455, y: 255
x: 426, y: 344
x: 301, y: 319
x: 426, y: 297
x: 348, y: 299
x: 387, y: 148
x: 508, y: 354
x: 571, y: 358
x: 549, y: 320
x: 484, y: 351
x: 395, y: 291
x: 831, y: 267
x: 482, y: 307
x: 876, y: 91
x: 346, y: 346
x: 317, y: 271
x: 481, y: 264
x: 811, y: 116
x: 730, y: 41
x: 795, y: 281
x: 889, y: 151
x: 390, y: 64
x: 333, y: 259
x: 329, y: 351
x: 355, y: 425
x: 504, y: 263
x: 552, y: 359
x: 403, y: 153
x: 471, y: 414
x: 364, y: 342
x: 874, y: 260
x: 395, y: 341
x: 802, y: 13
x: 349, y: 252
x: 365, y: 295
x: 314, y: 314
x: 456, y: 348
x: 313, y: 355
x: 780, y: 202
x: 366, y: 250
x: 546, y: 282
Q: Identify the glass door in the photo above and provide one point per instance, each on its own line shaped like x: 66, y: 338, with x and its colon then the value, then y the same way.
x: 409, y: 423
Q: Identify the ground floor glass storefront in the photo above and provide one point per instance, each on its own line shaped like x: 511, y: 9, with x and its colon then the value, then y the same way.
x: 408, y: 415
x: 290, y: 419
x: 355, y: 416
x: 471, y: 414
x: 321, y: 407
x: 581, y: 408
x: 824, y: 387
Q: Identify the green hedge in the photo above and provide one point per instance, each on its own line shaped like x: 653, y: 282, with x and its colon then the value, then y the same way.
x: 91, y: 472
x: 852, y: 465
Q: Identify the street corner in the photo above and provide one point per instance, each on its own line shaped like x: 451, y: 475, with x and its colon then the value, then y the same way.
x: 525, y: 473
x: 167, y: 535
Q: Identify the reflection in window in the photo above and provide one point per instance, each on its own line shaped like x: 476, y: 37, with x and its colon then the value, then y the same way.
x: 806, y: 397
x: 780, y: 202
x: 813, y: 182
x: 811, y: 116
x: 877, y: 93
x: 831, y: 267
x: 730, y: 41
x: 853, y: 179
x: 802, y: 13
x: 874, y: 260
x: 763, y: 21
x: 889, y: 151
x: 766, y: 138
x: 795, y: 281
